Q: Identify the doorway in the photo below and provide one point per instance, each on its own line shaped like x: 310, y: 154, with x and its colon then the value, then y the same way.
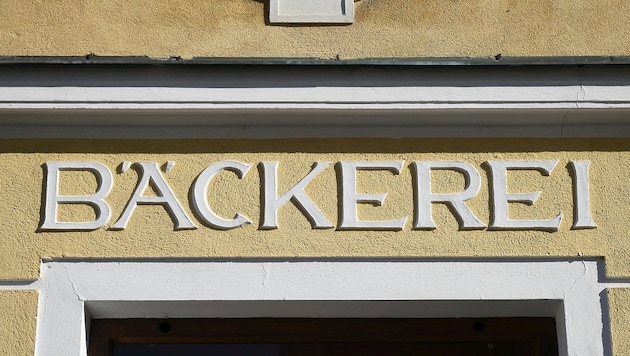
x: 324, y: 336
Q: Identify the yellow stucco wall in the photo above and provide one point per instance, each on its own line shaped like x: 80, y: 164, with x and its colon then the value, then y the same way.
x: 619, y: 301
x: 382, y: 28
x: 150, y: 232
x: 18, y: 318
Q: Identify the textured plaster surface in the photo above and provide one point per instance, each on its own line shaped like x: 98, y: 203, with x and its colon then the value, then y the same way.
x: 381, y: 28
x: 619, y: 301
x: 18, y: 316
x: 150, y: 231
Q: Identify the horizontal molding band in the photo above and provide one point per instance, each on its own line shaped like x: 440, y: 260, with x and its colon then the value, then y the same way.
x: 289, y: 101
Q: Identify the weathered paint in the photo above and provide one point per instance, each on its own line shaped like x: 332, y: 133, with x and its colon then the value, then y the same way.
x: 381, y: 29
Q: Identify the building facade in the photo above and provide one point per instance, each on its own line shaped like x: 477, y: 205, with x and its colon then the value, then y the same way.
x: 368, y: 160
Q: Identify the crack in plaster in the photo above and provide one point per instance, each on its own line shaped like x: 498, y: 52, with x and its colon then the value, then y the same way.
x: 578, y: 278
x: 580, y: 96
x: 72, y: 284
x: 265, y: 275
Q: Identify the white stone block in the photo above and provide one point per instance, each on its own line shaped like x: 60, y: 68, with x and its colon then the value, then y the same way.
x: 311, y: 11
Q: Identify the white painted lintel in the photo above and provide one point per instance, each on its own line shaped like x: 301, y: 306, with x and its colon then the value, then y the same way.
x: 73, y: 292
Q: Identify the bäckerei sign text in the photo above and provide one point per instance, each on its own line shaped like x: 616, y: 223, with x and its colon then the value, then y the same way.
x: 271, y: 201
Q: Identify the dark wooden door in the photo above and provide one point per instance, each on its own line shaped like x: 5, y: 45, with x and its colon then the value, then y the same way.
x: 330, y: 337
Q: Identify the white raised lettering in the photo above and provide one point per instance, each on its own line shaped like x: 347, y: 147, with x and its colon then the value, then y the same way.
x: 499, y: 220
x: 582, y: 218
x: 150, y: 173
x: 297, y: 195
x: 199, y: 197
x: 348, y: 215
x: 53, y: 199
x: 456, y: 201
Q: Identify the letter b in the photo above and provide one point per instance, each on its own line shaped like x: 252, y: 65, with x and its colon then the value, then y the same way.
x: 53, y: 199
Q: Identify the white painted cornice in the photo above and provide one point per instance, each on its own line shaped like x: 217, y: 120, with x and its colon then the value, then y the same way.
x: 314, y: 101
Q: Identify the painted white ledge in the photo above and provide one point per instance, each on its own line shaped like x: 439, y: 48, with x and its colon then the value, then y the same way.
x: 570, y: 291
x: 315, y: 102
x: 289, y: 97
